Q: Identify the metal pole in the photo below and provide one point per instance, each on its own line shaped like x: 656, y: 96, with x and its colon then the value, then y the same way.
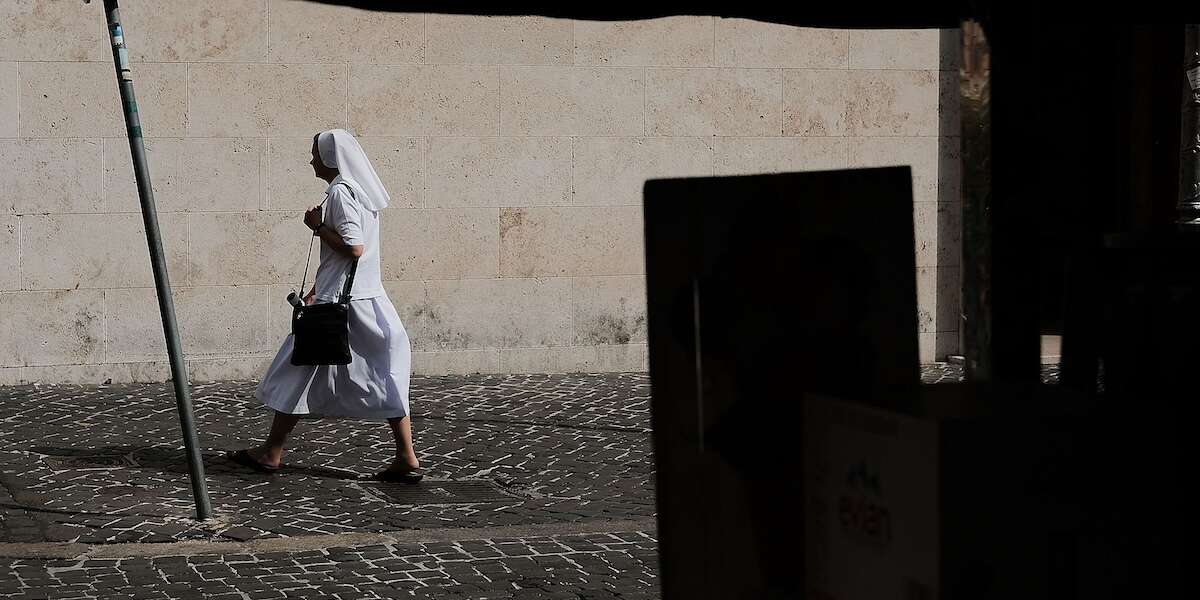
x: 975, y: 95
x: 158, y: 262
x: 1188, y: 208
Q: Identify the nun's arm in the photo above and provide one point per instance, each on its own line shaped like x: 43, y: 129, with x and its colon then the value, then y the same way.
x: 335, y: 241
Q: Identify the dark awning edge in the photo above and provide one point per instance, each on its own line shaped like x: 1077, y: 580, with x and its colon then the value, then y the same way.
x: 860, y: 14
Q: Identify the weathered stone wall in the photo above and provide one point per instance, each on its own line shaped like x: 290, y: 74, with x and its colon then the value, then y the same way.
x: 514, y: 150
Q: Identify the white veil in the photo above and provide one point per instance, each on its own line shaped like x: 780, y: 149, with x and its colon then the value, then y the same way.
x: 339, y: 150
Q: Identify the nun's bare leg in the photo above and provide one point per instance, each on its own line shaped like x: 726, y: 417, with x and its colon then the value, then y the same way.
x: 270, y: 453
x: 406, y: 457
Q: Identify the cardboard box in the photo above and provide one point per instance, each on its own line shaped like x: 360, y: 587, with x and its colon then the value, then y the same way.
x: 954, y: 500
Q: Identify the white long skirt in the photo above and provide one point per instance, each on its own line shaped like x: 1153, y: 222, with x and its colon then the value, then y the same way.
x: 373, y: 386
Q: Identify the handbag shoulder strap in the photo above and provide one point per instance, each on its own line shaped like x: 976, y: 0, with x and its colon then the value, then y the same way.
x: 349, y: 283
x: 345, y: 295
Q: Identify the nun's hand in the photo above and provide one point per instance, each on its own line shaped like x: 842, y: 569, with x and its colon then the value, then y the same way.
x: 312, y: 217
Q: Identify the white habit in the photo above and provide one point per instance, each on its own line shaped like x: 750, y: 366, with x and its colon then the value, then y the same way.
x: 375, y: 383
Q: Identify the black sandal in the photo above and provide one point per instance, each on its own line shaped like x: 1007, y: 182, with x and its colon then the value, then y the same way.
x: 242, y: 457
x: 393, y: 476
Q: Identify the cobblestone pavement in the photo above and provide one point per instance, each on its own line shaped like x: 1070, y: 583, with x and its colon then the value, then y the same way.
x: 620, y: 565
x: 102, y: 465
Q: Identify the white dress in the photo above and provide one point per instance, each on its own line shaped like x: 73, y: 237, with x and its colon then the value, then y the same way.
x: 375, y: 383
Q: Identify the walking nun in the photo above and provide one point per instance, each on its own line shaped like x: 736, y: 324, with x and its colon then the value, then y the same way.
x: 374, y: 385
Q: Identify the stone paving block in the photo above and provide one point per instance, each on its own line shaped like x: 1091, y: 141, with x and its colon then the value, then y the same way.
x: 555, y: 434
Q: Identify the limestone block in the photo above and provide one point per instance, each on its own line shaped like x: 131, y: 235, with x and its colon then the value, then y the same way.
x: 704, y: 102
x: 577, y: 241
x: 609, y: 310
x: 313, y: 32
x: 573, y: 359
x: 439, y: 243
x: 9, y: 108
x: 73, y: 100
x: 97, y: 251
x: 462, y: 362
x: 745, y: 156
x: 189, y: 31
x: 679, y: 41
x: 423, y: 100
x: 490, y: 40
x: 613, y: 171
x: 749, y: 43
x: 264, y: 100
x: 472, y: 314
x: 922, y: 154
x: 495, y: 172
x: 860, y: 103
x: 262, y: 247
x: 51, y: 176
x: 927, y: 299
x: 201, y: 174
x: 10, y: 252
x: 291, y: 185
x: 546, y: 101
x: 949, y: 299
x: 207, y: 325
x: 895, y: 49
x: 51, y: 328
x: 52, y: 30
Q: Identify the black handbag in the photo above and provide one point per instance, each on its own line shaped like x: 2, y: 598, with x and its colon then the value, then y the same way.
x: 321, y: 332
